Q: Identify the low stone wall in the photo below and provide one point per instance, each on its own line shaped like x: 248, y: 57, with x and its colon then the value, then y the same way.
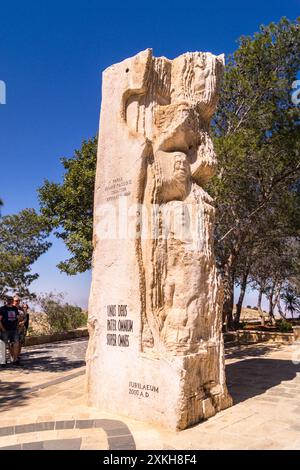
x: 296, y: 330
x: 240, y: 336
x: 255, y: 336
x: 230, y: 336
x: 65, y: 335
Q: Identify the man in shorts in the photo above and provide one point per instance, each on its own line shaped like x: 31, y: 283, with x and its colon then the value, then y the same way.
x: 9, y: 324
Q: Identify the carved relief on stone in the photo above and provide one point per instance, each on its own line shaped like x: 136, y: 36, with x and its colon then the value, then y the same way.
x: 172, y: 111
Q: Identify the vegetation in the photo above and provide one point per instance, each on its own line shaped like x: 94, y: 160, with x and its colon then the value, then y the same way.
x: 68, y: 207
x: 61, y: 316
x: 256, y: 134
x: 284, y: 326
x: 23, y: 239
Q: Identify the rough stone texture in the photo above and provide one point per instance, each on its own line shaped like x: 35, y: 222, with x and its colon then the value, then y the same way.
x: 156, y: 350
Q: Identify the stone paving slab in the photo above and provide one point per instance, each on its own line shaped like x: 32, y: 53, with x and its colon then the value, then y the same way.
x: 264, y: 383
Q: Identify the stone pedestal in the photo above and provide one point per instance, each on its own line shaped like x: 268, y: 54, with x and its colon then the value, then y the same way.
x: 156, y: 350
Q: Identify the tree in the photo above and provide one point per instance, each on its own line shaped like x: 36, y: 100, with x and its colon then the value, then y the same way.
x: 61, y: 316
x: 291, y: 301
x: 256, y: 135
x: 242, y: 280
x: 23, y: 239
x: 290, y: 293
x: 68, y: 206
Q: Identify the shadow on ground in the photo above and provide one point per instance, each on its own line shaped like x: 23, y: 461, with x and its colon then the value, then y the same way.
x: 13, y: 394
x: 55, y: 357
x: 46, y: 363
x: 245, y: 350
x: 252, y: 377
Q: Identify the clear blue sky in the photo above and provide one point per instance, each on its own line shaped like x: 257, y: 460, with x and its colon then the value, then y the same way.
x: 51, y: 57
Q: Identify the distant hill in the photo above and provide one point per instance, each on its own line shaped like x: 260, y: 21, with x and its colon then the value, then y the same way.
x: 251, y: 314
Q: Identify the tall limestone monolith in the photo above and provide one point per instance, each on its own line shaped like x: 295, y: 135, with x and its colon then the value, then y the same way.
x: 156, y: 350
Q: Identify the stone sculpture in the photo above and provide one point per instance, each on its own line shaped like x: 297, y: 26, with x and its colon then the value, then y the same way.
x: 156, y: 350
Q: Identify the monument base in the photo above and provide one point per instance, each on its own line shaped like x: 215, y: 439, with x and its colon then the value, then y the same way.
x: 174, y: 392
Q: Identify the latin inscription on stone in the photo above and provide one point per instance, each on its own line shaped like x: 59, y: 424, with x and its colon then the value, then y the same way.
x: 118, y: 326
x: 117, y: 187
x: 142, y: 390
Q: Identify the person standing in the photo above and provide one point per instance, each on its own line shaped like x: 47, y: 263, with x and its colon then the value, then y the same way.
x: 9, y: 323
x: 24, y: 324
x: 2, y: 353
x: 16, y: 303
x: 21, y: 324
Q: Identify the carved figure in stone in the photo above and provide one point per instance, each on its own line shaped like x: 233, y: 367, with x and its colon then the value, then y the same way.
x: 155, y: 136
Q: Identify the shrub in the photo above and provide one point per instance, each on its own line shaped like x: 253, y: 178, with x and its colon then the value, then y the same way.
x: 30, y: 331
x: 284, y: 326
x: 61, y: 316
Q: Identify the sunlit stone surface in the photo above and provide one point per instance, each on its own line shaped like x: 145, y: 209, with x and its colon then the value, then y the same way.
x: 156, y: 351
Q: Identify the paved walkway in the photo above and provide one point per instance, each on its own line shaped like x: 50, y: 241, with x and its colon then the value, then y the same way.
x: 42, y: 405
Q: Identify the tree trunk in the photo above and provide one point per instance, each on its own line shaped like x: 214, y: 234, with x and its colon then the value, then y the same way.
x: 276, y: 300
x: 228, y: 282
x: 271, y: 305
x: 241, y: 299
x: 261, y: 314
x: 280, y: 310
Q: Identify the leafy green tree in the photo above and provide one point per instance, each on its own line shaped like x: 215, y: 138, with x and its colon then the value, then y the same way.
x: 291, y: 300
x: 256, y: 134
x: 68, y: 206
x: 23, y: 239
